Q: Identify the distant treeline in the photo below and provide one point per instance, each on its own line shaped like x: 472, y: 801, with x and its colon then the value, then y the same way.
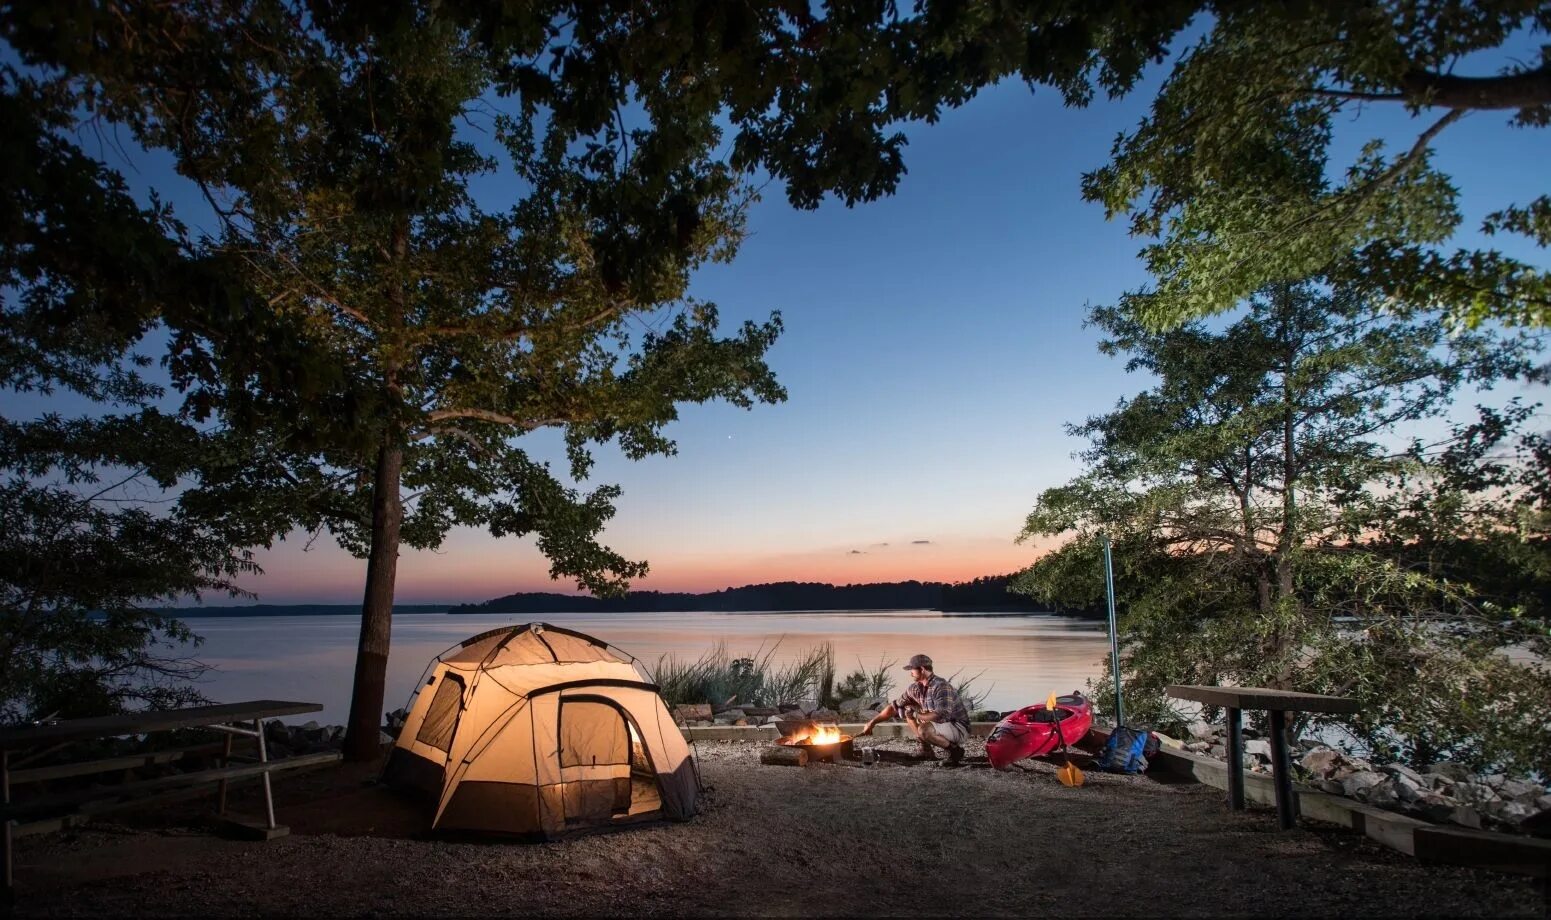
x: 988, y: 594
x: 293, y: 610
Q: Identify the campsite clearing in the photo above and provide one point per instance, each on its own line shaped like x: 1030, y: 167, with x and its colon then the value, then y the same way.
x: 823, y: 840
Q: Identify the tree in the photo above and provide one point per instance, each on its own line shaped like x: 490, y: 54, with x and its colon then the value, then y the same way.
x: 373, y: 326
x: 1231, y: 175
x: 89, y: 546
x: 1251, y: 496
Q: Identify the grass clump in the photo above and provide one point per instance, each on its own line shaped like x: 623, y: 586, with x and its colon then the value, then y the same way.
x: 754, y: 680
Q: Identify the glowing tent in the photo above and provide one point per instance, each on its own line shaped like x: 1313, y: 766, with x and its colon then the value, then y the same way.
x: 539, y: 730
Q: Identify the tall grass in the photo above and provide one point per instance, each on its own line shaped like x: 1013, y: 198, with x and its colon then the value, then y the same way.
x: 867, y: 684
x: 973, y: 697
x: 754, y: 680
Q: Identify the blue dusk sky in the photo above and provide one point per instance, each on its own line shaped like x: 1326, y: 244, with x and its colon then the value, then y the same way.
x: 934, y: 350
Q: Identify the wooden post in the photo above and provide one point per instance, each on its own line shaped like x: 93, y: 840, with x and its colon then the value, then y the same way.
x: 5, y: 799
x: 1235, y: 759
x: 1281, y: 769
x: 226, y: 761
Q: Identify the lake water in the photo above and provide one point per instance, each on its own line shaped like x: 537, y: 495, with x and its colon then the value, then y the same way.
x: 1018, y: 659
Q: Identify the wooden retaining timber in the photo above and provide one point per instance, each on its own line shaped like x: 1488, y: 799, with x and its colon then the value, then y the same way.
x: 1429, y: 843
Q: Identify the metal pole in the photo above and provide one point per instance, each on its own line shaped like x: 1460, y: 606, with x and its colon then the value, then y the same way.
x: 1114, y: 640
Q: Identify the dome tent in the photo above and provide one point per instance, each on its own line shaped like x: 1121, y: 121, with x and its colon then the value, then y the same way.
x: 541, y: 731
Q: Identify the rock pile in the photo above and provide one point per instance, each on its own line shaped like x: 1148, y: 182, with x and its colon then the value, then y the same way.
x: 1443, y: 793
x: 729, y: 714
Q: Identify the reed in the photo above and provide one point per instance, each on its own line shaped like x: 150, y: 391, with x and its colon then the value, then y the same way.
x: 755, y: 680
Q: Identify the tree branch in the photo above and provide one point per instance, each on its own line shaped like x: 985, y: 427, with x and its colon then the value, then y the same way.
x: 487, y: 415
x: 1522, y: 90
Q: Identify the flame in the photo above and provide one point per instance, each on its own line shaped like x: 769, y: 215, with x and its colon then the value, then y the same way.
x: 814, y: 734
x: 1051, y: 703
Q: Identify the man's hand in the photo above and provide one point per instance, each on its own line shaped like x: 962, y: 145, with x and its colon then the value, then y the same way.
x: 866, y: 730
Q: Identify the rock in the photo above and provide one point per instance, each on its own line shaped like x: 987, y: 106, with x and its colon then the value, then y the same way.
x: 858, y: 703
x: 1198, y: 747
x: 1454, y: 771
x: 310, y: 726
x: 1358, y: 783
x: 867, y: 715
x: 1408, y: 791
x: 692, y: 712
x: 1320, y: 761
x: 1342, y: 772
x: 1438, y: 782
x: 1218, y: 751
x: 1258, y: 748
x: 1511, y: 813
x: 1465, y: 816
x: 1519, y: 789
x: 731, y: 717
x: 1201, y: 731
x: 275, y: 732
x: 1383, y: 794
x: 1474, y: 794
x: 1434, y: 808
x: 385, y: 738
x: 1330, y: 786
x: 1400, y: 769
x: 1495, y: 780
x: 985, y: 715
x: 824, y: 715
x: 1543, y: 803
x: 789, y: 707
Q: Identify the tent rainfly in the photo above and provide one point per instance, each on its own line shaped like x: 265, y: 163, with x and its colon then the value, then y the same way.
x: 541, y: 731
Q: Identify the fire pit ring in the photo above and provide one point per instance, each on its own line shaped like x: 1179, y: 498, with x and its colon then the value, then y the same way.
x: 832, y: 752
x: 822, y: 742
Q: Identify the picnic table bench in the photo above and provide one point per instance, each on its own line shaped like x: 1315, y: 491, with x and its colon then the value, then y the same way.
x: 1278, y: 702
x: 229, y: 718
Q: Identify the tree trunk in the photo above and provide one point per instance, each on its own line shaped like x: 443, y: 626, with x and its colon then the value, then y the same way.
x: 371, y: 660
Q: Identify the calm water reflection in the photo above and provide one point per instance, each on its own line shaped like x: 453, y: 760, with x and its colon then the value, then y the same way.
x: 1021, y: 659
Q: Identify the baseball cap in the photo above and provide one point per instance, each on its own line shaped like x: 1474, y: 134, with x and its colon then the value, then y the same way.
x: 919, y: 661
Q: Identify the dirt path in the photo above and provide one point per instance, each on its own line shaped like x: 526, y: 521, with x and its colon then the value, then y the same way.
x: 848, y: 840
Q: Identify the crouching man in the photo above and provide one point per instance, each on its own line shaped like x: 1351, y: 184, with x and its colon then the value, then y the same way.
x: 932, y: 710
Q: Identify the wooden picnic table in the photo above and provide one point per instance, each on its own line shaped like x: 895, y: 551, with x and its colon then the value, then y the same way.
x: 228, y: 718
x: 1278, y: 703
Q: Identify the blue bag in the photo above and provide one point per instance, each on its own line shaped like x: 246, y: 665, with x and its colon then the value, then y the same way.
x: 1127, y: 750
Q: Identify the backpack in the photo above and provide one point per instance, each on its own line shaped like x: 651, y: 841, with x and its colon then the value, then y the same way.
x: 1127, y: 750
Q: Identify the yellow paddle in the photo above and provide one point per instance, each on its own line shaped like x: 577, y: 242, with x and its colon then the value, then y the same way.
x: 1069, y: 774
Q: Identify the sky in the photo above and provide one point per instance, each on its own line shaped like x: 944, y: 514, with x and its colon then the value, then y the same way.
x: 934, y: 348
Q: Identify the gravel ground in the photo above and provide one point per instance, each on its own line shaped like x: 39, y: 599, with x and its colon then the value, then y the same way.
x: 892, y: 839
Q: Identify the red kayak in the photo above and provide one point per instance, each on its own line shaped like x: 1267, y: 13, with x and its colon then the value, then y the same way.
x: 1031, y: 731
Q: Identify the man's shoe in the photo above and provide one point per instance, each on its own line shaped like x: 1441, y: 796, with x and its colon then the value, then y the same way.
x: 955, y: 754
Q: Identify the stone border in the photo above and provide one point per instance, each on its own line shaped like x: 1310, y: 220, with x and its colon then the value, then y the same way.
x: 1428, y: 842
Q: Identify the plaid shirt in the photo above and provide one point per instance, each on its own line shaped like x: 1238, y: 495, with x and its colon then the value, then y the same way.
x: 937, y: 696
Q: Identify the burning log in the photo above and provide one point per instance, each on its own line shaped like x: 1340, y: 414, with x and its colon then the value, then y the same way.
x: 819, y: 742
x: 784, y: 756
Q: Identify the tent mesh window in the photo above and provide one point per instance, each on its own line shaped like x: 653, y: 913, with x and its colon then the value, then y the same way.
x: 442, y: 716
x: 593, y: 735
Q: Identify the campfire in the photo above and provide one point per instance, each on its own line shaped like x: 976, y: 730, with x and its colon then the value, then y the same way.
x: 822, y: 742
